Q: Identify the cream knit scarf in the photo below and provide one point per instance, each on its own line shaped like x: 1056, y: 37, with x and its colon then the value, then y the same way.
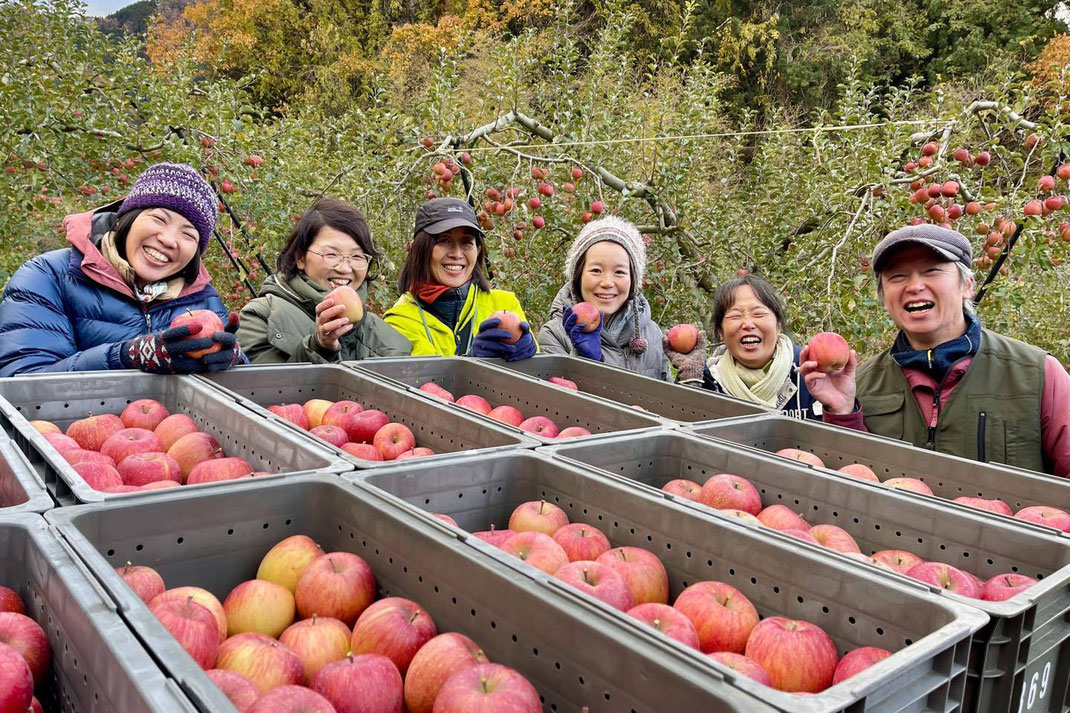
x: 756, y: 385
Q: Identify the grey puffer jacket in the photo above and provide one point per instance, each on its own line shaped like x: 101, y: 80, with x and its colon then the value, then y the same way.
x: 553, y: 338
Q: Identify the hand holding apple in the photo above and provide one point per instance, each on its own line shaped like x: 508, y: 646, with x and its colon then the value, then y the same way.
x: 835, y: 390
x: 333, y: 319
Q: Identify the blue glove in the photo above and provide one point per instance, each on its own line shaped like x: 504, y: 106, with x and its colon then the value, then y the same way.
x: 588, y: 344
x: 488, y: 342
x: 230, y: 354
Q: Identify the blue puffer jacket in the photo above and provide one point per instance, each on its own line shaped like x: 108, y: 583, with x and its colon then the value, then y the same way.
x: 69, y: 310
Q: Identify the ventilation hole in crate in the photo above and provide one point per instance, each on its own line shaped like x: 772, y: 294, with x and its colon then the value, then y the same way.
x: 989, y: 560
x: 139, y: 548
x: 965, y: 554
x: 668, y: 545
x: 824, y: 610
x: 876, y: 527
x: 1014, y: 568
x: 460, y: 495
x: 687, y: 554
x: 880, y: 631
x: 776, y: 590
x: 753, y: 580
x: 230, y: 531
x: 816, y: 508
x: 514, y: 638
x: 799, y: 599
x: 943, y: 547
x: 112, y: 552
x: 835, y: 513
x: 731, y: 570
x: 684, y: 585
x: 797, y: 501
x: 289, y: 521
x: 436, y: 589
x: 600, y: 518
x: 534, y: 652
x: 580, y: 679
x: 649, y: 538
x: 855, y: 520
x: 898, y: 533
x: 484, y: 491
x: 851, y: 619
x: 427, y: 501
x: 908, y: 642
x: 454, y: 600
x: 266, y: 525
x: 405, y: 569
x: 709, y: 563
x: 553, y: 706
x: 180, y: 540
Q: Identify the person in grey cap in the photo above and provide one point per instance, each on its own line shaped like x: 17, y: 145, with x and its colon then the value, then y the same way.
x: 604, y: 267
x: 447, y: 301
x: 108, y: 300
x: 946, y: 383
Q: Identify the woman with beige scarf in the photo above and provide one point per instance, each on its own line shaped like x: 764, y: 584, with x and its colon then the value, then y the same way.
x: 753, y: 359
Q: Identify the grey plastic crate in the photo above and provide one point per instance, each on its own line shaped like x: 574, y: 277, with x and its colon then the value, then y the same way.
x: 64, y: 398
x: 680, y: 404
x: 1027, y: 635
x: 929, y: 636
x: 216, y: 540
x: 21, y: 489
x: 435, y: 426
x: 461, y: 375
x: 97, y: 664
x: 948, y: 476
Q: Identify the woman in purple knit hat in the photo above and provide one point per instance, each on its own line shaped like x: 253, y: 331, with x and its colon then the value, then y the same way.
x: 108, y: 300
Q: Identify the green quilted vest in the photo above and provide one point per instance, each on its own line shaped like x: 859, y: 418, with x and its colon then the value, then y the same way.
x: 993, y: 414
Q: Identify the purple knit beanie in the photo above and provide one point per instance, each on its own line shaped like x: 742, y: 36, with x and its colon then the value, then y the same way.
x: 180, y: 188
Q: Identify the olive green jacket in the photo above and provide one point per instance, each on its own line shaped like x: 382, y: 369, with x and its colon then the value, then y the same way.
x: 280, y: 326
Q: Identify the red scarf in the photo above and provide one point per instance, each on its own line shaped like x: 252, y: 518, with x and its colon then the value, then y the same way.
x: 428, y: 293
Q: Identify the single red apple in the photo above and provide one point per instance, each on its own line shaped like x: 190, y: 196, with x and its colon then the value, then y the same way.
x: 194, y: 448
x: 587, y: 316
x: 573, y: 432
x: 16, y: 681
x: 317, y: 642
x: 364, y: 451
x: 11, y: 601
x: 393, y: 439
x: 145, y: 581
x: 537, y: 549
x: 203, y: 323
x: 834, y: 538
x: 369, y: 683
x: 581, y: 541
x: 723, y: 617
x: 800, y: 455
x: 218, y: 469
x: 174, y: 427
x: 683, y: 338
x: 338, y: 584
x: 830, y: 351
x: 339, y: 413
x: 91, y: 432
x: 335, y: 435
x: 537, y: 516
x: 540, y: 425
x: 347, y: 296
x: 862, y: 472
x: 911, y: 484
x: 474, y: 403
x: 995, y: 505
x: 241, y: 691
x: 433, y: 664
x: 1045, y: 515
x: 266, y: 662
x: 294, y: 413
x: 731, y: 491
x: 507, y: 414
x: 394, y: 627
x: 292, y: 699
x: 144, y: 468
x: 435, y: 390
x: 642, y: 570
x: 857, y: 661
x: 797, y: 655
x: 362, y: 426
x: 744, y: 665
x: 780, y: 517
x: 485, y: 688
x: 259, y: 606
x: 1004, y: 586
x: 685, y: 488
x: 944, y: 576
x: 669, y: 621
x: 495, y: 537
x: 203, y: 597
x: 897, y: 560
x: 193, y: 626
x: 566, y: 383
x: 144, y: 413
x: 510, y: 322
x: 288, y: 559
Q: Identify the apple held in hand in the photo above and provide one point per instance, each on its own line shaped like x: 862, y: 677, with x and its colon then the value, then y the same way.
x: 348, y: 296
x: 723, y: 617
x: 340, y: 585
x: 683, y: 338
x: 669, y: 621
x: 587, y: 316
x: 433, y: 664
x: 537, y: 516
x: 202, y: 323
x: 642, y: 570
x: 797, y: 655
x: 394, y: 627
x: 830, y: 351
x: 486, y: 688
x: 510, y: 322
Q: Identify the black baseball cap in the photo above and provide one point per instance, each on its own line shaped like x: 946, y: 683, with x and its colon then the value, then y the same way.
x: 441, y: 214
x: 950, y: 244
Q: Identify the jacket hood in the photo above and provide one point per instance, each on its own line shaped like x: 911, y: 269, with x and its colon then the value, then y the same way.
x: 84, y: 232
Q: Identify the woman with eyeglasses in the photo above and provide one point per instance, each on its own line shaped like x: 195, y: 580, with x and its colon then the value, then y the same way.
x: 293, y: 320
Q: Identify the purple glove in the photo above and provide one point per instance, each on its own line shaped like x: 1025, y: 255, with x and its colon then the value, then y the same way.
x: 587, y: 344
x: 230, y: 354
x: 488, y: 342
x: 689, y: 367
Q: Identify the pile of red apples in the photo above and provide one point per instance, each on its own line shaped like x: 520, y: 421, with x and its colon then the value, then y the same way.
x: 308, y: 634
x: 25, y: 655
x: 737, y: 496
x: 540, y: 425
x: 1046, y: 515
x: 712, y: 617
x: 144, y: 448
x: 367, y: 434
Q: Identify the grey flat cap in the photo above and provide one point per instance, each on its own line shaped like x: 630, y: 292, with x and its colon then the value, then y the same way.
x: 950, y: 244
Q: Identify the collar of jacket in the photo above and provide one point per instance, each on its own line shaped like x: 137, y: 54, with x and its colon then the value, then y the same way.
x: 84, y: 231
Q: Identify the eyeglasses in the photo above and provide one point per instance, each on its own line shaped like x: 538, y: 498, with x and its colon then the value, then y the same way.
x: 333, y: 260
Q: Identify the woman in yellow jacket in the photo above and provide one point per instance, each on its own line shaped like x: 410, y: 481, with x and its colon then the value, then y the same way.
x: 447, y: 299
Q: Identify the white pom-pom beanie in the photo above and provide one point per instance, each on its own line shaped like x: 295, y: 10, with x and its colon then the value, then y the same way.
x: 615, y: 230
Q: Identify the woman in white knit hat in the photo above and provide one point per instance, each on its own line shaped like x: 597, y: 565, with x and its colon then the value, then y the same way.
x: 604, y: 267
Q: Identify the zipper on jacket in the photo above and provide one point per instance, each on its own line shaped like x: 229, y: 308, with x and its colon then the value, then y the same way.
x: 935, y: 420
x: 981, y: 418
